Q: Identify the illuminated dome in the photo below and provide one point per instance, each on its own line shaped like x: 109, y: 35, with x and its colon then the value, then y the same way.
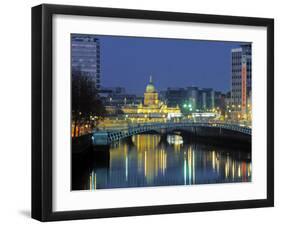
x: 150, y: 87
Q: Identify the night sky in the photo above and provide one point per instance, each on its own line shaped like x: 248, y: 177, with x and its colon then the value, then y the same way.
x: 128, y: 62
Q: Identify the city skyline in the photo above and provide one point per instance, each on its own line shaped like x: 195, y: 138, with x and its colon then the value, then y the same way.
x: 148, y: 134
x: 129, y: 61
x: 141, y: 94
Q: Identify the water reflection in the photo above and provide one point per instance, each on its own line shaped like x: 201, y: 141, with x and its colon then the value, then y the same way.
x: 175, y: 140
x: 151, y: 161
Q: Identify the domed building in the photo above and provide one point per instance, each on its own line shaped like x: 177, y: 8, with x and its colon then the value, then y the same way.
x: 151, y: 108
x: 150, y: 95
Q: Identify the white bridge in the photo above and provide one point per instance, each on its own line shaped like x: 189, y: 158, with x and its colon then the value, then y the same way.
x: 109, y: 135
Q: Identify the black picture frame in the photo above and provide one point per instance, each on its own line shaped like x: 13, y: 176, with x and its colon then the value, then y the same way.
x: 42, y: 111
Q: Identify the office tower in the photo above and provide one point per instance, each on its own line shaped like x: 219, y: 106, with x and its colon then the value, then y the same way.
x: 85, y: 57
x: 241, y: 79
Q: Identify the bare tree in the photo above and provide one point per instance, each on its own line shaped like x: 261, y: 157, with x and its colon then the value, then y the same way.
x: 87, y: 108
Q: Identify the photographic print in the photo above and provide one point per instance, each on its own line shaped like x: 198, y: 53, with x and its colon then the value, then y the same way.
x: 130, y: 106
x: 159, y: 112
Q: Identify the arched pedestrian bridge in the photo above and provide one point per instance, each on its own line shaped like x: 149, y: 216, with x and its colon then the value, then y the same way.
x: 109, y: 135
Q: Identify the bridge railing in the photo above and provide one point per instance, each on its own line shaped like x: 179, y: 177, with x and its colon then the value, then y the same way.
x: 109, y: 135
x: 128, y: 126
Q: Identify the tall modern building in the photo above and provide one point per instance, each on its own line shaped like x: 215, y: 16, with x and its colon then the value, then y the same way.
x: 85, y: 57
x: 241, y: 78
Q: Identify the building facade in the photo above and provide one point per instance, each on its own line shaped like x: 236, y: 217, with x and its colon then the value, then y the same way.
x: 241, y: 81
x: 207, y: 99
x: 85, y: 57
x: 152, y: 109
x: 150, y: 95
x: 193, y: 99
x: 175, y: 96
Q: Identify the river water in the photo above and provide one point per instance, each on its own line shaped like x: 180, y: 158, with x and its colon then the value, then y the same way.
x: 148, y: 160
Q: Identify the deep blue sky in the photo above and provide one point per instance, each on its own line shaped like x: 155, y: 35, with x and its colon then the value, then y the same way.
x: 128, y: 62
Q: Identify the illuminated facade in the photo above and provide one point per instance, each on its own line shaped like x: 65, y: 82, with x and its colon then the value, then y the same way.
x: 150, y: 95
x: 241, y: 82
x: 151, y: 107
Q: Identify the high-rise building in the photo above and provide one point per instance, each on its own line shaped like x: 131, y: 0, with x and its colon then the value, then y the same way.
x: 241, y: 79
x: 85, y: 57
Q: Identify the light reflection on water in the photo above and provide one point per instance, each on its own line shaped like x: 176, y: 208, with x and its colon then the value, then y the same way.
x: 148, y: 161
